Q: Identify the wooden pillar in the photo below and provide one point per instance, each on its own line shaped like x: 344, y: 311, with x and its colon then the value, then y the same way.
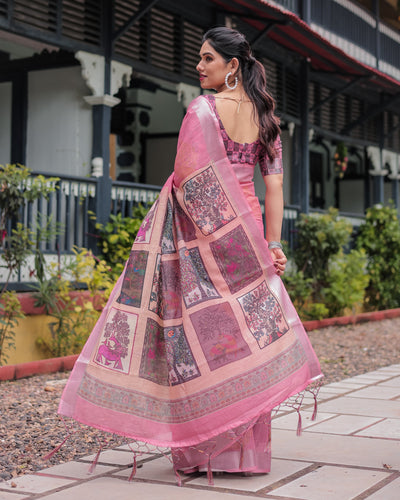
x: 19, y: 118
x: 304, y: 139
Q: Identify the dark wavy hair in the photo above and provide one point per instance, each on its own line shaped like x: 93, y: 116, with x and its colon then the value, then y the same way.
x: 230, y: 43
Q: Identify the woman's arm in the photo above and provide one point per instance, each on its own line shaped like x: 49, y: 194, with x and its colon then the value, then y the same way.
x: 273, y: 206
x: 274, y: 217
x: 272, y: 173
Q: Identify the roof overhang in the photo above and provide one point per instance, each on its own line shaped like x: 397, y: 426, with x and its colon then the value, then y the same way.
x: 289, y: 31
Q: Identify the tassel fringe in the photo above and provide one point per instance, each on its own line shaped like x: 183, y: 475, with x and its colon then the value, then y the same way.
x: 314, y: 415
x: 134, y: 468
x: 96, y: 459
x: 299, y: 424
x: 209, y: 473
x: 241, y: 455
x: 178, y: 477
x: 56, y: 449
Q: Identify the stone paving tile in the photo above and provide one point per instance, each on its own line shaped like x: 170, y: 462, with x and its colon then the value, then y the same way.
x: 159, y: 469
x: 386, y: 369
x: 5, y: 495
x: 359, y: 406
x: 336, y: 449
x: 117, y: 457
x: 76, y: 470
x: 388, y: 492
x: 355, y: 380
x: 36, y: 484
x: 330, y: 483
x: 369, y: 378
x: 344, y: 385
x: 290, y: 421
x: 279, y: 470
x: 388, y: 428
x: 118, y: 489
x: 377, y: 392
x: 391, y: 368
x: 333, y: 390
x: 394, y: 382
x: 344, y: 424
x: 276, y: 414
x: 143, y: 447
x: 309, y: 399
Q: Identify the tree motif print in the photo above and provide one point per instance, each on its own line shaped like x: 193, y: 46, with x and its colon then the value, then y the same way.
x: 207, y: 203
x: 263, y: 315
x: 117, y: 342
x: 166, y: 357
x: 182, y: 366
x: 144, y: 233
x: 167, y: 235
x: 155, y: 301
x: 236, y: 259
x: 196, y: 284
x: 185, y: 229
x: 132, y: 286
x: 219, y: 335
x: 166, y: 295
x: 153, y: 364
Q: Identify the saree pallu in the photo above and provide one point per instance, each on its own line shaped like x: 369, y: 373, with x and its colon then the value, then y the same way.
x: 199, y: 340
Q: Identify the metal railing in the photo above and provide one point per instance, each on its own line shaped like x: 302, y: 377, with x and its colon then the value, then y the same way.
x: 72, y: 207
x: 69, y: 213
x: 127, y: 195
x: 292, y: 5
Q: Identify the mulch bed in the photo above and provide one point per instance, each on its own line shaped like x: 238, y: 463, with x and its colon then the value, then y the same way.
x: 30, y: 428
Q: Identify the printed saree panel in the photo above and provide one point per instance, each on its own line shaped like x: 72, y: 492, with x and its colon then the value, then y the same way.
x: 199, y: 335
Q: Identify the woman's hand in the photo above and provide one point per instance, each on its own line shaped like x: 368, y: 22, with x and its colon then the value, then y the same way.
x: 279, y: 259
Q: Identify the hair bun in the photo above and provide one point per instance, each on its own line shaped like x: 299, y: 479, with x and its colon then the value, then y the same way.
x: 251, y: 61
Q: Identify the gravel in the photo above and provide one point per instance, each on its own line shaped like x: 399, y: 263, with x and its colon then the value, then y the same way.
x: 30, y: 428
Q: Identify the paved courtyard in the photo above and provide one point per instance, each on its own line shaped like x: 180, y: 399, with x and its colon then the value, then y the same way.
x: 350, y: 452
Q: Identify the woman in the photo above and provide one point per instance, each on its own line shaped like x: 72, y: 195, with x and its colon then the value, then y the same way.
x: 210, y: 342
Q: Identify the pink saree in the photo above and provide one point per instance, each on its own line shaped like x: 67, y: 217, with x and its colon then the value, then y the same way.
x: 199, y: 340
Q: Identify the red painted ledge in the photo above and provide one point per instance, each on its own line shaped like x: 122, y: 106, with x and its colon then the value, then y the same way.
x: 27, y: 301
x: 66, y: 363
x: 347, y: 320
x: 51, y: 365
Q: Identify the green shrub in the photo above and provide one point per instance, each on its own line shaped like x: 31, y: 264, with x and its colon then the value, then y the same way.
x: 315, y: 310
x: 10, y: 313
x: 298, y: 287
x: 379, y: 236
x: 347, y: 281
x: 117, y: 236
x: 320, y: 237
x: 74, y: 319
x: 17, y: 188
x: 325, y: 281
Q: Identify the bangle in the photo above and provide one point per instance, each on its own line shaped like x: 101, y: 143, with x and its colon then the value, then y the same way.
x: 274, y: 244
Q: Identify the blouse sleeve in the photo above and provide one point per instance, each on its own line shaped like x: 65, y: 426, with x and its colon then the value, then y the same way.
x: 269, y: 167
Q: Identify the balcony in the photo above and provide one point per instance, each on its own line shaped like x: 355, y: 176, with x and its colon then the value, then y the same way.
x: 354, y: 28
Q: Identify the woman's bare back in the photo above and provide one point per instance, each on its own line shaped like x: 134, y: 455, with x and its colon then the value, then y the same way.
x: 238, y: 118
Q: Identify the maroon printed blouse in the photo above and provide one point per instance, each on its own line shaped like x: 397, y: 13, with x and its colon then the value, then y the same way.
x: 250, y: 153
